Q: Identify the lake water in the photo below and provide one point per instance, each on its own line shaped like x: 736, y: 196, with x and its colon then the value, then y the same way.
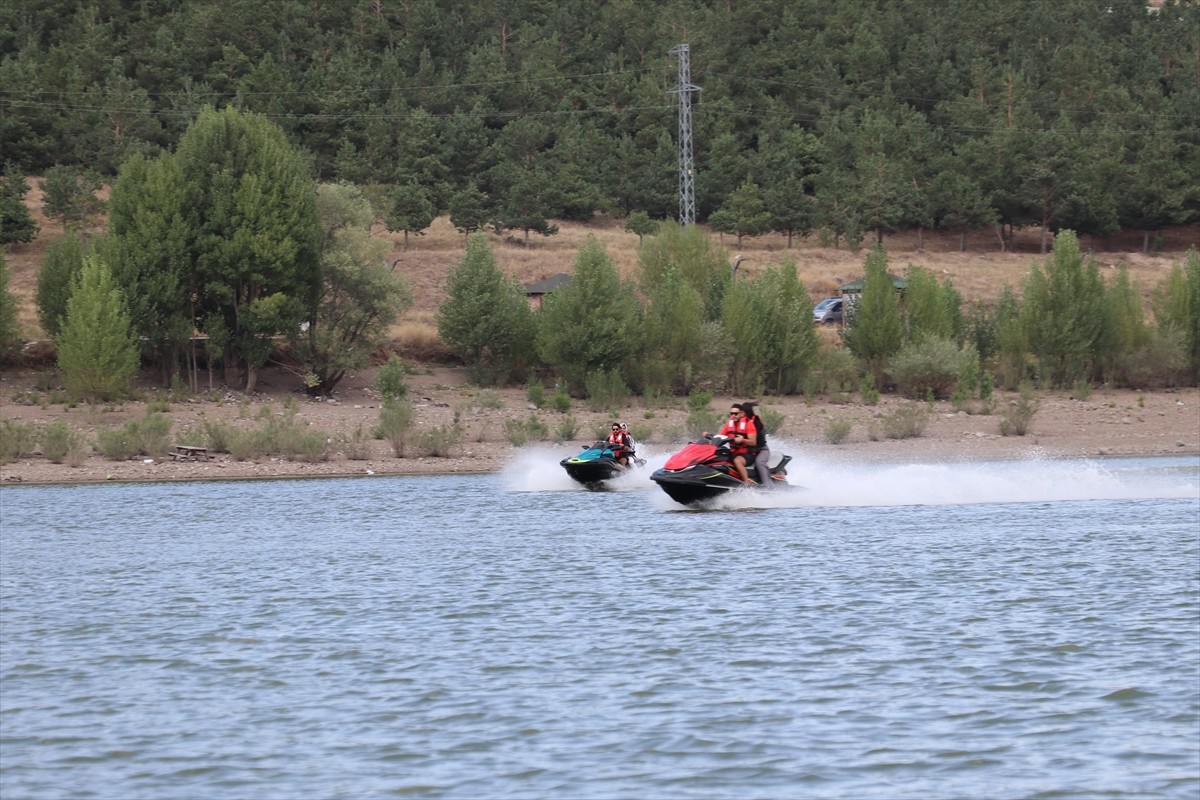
x: 1007, y: 630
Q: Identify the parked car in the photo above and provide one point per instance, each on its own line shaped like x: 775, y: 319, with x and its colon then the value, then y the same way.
x: 828, y: 310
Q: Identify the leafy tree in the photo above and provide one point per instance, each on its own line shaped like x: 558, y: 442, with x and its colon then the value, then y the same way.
x: 1063, y: 314
x: 360, y: 295
x: 1176, y: 305
x: 1128, y: 330
x: 469, y: 210
x: 62, y: 262
x: 790, y: 160
x: 147, y: 248
x: 10, y: 329
x: 743, y: 214
x: 70, y: 196
x: 251, y: 211
x: 689, y: 252
x: 410, y: 210
x: 591, y: 324
x: 875, y: 331
x: 97, y: 349
x: 485, y: 319
x: 674, y: 334
x: 929, y: 308
x: 16, y: 223
x: 640, y: 224
x: 769, y: 322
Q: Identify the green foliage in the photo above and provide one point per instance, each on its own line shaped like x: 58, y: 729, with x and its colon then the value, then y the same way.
x: 62, y: 444
x: 390, y: 380
x: 97, y: 352
x: 605, y: 389
x: 834, y: 372
x: 395, y: 421
x: 1176, y: 305
x: 360, y: 295
x: 70, y: 196
x: 251, y: 208
x: 535, y: 392
x: 674, y: 334
x: 1017, y: 416
x: 10, y: 331
x: 438, y: 440
x: 1161, y: 361
x: 931, y: 365
x: 568, y: 429
x: 592, y: 323
x: 640, y: 224
x: 16, y: 223
x: 17, y: 440
x: 769, y: 323
x: 873, y: 334
x: 690, y: 254
x: 908, y: 421
x: 560, y: 401
x: 485, y: 319
x: 930, y: 308
x: 1064, y: 315
x: 743, y: 214
x: 61, y: 264
x: 410, y: 209
x: 469, y: 210
x: 521, y: 431
x: 838, y: 430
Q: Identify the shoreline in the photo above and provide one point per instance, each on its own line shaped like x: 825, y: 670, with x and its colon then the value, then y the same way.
x: 1107, y: 424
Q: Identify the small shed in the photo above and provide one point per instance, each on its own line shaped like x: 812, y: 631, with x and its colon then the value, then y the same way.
x: 856, y: 287
x: 536, y: 291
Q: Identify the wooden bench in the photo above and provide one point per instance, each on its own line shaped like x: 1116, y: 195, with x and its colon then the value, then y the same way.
x: 184, y: 452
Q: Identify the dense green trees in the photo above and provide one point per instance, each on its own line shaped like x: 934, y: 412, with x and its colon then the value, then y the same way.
x: 852, y: 119
x: 485, y: 319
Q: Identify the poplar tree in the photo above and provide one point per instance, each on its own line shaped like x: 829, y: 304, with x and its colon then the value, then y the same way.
x: 875, y: 330
x: 97, y: 349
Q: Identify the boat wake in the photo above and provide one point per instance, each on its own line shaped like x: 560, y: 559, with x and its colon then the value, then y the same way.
x: 830, y: 482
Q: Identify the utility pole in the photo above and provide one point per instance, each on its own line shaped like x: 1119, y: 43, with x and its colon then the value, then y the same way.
x: 687, y: 168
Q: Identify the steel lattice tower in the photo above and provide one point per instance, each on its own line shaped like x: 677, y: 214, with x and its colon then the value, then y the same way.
x: 687, y: 170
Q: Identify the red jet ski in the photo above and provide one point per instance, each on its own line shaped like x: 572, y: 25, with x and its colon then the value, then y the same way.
x: 703, y: 470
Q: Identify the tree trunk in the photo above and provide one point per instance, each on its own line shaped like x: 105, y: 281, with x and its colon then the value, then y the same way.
x: 962, y: 241
x: 1146, y: 243
x: 251, y: 377
x: 920, y: 238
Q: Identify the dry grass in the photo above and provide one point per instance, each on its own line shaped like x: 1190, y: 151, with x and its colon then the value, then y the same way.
x: 979, y: 274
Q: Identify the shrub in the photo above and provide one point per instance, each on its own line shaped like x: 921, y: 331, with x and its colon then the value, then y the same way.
x: 63, y: 444
x: 773, y: 420
x: 356, y: 446
x: 390, y: 380
x: 561, y: 401
x: 438, y: 440
x: 536, y: 393
x: 518, y: 431
x: 312, y: 446
x: 1162, y: 361
x: 119, y: 443
x: 838, y: 430
x: 568, y: 429
x: 1018, y: 414
x: 154, y: 433
x: 17, y: 440
x: 931, y: 365
x: 395, y: 419
x: 906, y: 422
x: 834, y: 372
x: 605, y: 389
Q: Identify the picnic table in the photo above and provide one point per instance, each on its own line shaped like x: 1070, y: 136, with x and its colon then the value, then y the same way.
x: 187, y: 452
